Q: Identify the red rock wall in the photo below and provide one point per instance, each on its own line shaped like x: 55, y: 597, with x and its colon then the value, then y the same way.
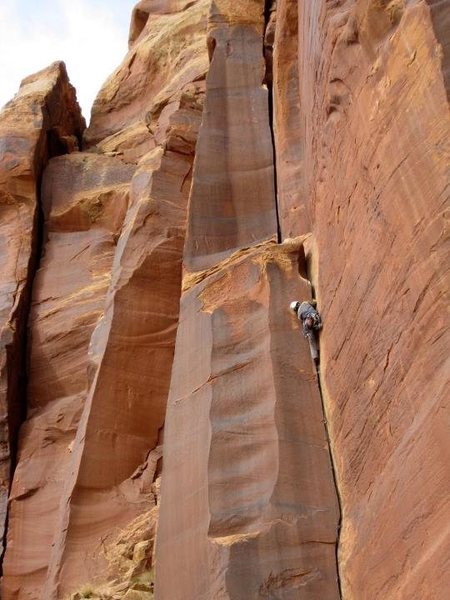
x: 228, y: 125
x: 294, y: 207
x: 103, y: 324
x: 152, y: 76
x: 42, y: 120
x: 131, y: 359
x: 232, y: 202
x: 245, y: 444
x: 85, y: 198
x: 375, y: 155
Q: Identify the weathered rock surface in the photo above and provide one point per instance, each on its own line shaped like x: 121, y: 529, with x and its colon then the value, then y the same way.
x: 114, y: 231
x: 353, y: 97
x: 111, y: 471
x: 168, y: 55
x: 230, y: 428
x: 245, y: 443
x: 293, y: 203
x: 233, y: 200
x: 41, y: 121
x: 375, y: 155
x: 85, y: 198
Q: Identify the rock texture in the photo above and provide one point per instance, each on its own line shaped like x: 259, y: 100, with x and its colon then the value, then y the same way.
x: 145, y: 335
x: 294, y: 208
x: 107, y: 294
x: 251, y: 472
x: 41, y: 121
x: 164, y: 59
x: 375, y: 154
x: 130, y: 364
x: 85, y: 198
x: 232, y: 202
x: 245, y: 443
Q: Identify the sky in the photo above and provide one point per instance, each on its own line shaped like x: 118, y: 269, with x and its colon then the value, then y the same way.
x: 90, y: 36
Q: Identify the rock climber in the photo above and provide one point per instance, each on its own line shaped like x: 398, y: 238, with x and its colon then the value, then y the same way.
x: 308, y: 315
x: 311, y: 321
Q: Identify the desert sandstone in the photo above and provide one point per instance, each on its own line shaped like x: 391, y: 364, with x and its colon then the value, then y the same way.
x: 164, y: 432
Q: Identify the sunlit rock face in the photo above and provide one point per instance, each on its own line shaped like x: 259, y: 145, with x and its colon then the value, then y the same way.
x: 233, y: 191
x: 168, y: 434
x: 245, y: 441
x: 85, y: 198
x: 102, y: 328
x: 42, y: 120
x: 373, y: 156
x: 164, y: 59
x: 233, y: 442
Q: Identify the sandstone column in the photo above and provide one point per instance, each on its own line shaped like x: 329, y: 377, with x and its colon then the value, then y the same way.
x: 43, y: 120
x: 248, y: 505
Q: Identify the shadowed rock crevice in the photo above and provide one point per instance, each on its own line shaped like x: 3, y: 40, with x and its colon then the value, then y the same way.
x: 57, y: 140
x: 330, y: 448
x: 43, y: 120
x: 305, y: 261
x: 269, y: 38
x: 18, y: 353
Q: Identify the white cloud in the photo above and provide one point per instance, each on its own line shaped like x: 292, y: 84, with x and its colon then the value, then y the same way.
x: 90, y: 36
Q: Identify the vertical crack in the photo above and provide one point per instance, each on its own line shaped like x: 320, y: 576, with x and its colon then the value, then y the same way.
x: 269, y: 37
x: 333, y: 465
x: 17, y: 354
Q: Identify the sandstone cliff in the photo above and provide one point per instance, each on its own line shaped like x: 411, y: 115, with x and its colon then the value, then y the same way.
x: 42, y: 121
x: 164, y: 432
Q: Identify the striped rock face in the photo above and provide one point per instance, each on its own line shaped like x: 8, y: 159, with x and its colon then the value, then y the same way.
x: 164, y: 432
x: 373, y: 155
x: 43, y: 120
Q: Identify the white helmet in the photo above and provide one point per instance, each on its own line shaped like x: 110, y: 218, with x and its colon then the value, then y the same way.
x: 294, y: 305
